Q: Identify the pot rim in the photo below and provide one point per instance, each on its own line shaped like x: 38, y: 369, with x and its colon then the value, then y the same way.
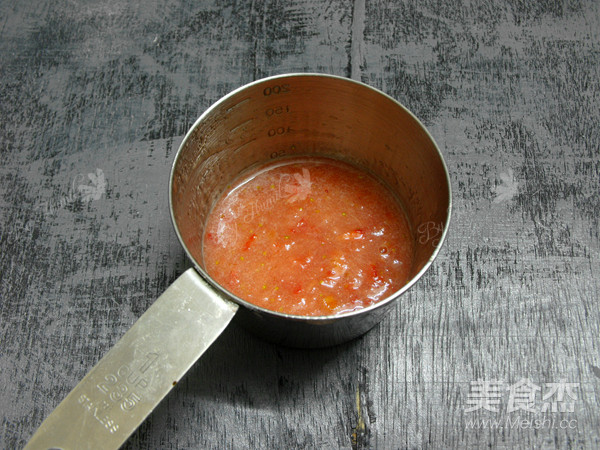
x: 313, y: 319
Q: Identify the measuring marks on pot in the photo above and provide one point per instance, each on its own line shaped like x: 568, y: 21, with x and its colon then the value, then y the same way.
x: 272, y: 120
x: 241, y: 132
x: 277, y: 114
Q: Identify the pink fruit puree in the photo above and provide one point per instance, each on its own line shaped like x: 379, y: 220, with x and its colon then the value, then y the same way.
x: 308, y: 237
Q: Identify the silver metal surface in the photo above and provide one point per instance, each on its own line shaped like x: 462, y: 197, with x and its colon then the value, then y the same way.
x: 271, y: 119
x: 117, y: 395
x: 321, y: 115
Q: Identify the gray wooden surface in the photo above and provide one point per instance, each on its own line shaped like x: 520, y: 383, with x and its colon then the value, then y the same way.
x: 510, y: 90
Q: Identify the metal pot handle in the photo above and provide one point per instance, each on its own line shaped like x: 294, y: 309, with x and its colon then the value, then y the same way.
x: 117, y: 395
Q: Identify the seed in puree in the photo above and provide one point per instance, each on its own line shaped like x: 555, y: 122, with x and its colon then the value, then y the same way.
x: 308, y: 237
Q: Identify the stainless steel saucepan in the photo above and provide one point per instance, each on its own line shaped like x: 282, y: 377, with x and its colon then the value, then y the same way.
x: 277, y: 117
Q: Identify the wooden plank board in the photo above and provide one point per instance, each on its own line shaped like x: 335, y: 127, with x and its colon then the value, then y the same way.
x: 94, y: 101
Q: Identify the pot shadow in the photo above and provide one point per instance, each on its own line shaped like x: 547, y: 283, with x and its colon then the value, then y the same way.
x: 243, y: 372
x: 247, y: 368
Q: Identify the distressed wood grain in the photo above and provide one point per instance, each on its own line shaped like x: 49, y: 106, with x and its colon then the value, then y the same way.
x: 94, y: 101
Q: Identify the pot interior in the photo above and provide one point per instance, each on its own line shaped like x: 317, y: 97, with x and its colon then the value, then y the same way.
x: 311, y: 115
